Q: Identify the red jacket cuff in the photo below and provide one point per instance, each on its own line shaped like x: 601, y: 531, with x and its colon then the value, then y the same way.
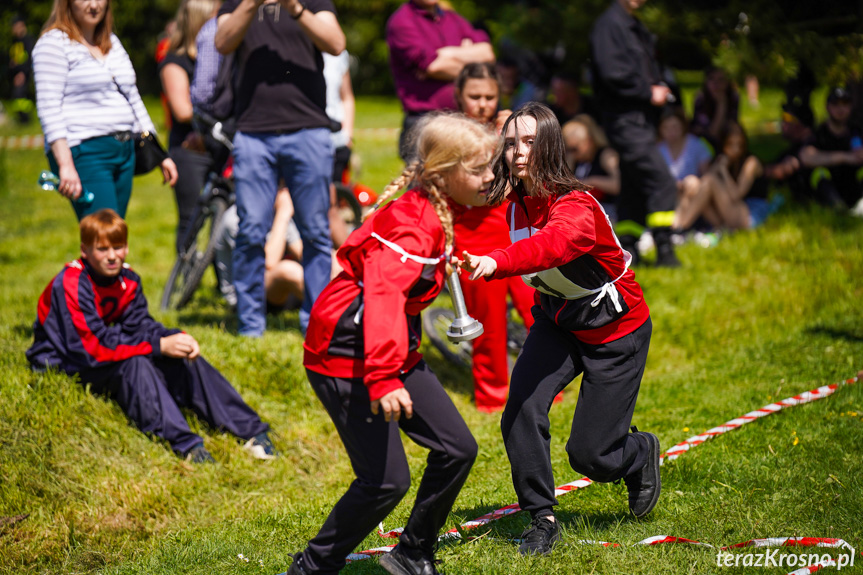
x: 502, y: 260
x: 378, y: 389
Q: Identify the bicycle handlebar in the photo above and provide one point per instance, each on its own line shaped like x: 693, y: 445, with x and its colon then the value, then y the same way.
x: 214, y: 127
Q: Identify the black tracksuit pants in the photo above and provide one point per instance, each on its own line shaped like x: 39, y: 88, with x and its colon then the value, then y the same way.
x: 382, y: 473
x: 600, y: 445
x: 151, y: 392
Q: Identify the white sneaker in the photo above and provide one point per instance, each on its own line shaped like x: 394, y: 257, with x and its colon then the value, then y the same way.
x: 260, y: 447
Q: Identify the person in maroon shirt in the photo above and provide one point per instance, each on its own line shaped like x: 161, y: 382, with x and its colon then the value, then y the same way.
x: 591, y: 318
x: 428, y: 48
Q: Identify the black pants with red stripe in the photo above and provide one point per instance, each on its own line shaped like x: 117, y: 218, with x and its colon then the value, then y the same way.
x: 151, y: 392
x: 600, y: 445
x: 382, y: 473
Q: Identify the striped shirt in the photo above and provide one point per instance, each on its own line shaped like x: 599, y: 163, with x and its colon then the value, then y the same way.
x: 76, y: 96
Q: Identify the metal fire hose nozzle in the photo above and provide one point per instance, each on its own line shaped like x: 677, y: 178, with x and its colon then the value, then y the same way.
x: 463, y: 327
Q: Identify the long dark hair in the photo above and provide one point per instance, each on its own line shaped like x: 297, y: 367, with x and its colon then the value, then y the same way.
x: 734, y: 129
x: 547, y: 161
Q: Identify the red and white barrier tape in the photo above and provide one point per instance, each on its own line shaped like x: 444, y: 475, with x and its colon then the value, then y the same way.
x: 666, y: 539
x: 813, y: 568
x: 791, y: 542
x: 806, y: 397
x: 26, y: 142
x: 669, y: 455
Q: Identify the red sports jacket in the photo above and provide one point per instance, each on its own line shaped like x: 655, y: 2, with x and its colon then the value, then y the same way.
x: 565, y: 247
x: 366, y: 322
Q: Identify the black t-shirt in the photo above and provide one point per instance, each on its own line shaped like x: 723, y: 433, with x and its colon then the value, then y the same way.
x: 845, y: 175
x: 281, y: 73
x: 179, y: 130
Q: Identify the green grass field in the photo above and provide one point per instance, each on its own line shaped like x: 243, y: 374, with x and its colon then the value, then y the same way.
x: 760, y: 317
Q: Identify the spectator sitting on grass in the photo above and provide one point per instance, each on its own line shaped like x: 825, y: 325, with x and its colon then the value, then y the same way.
x: 797, y: 121
x: 283, y: 252
x: 593, y: 161
x: 733, y: 193
x: 93, y: 321
x: 835, y: 153
x: 687, y: 156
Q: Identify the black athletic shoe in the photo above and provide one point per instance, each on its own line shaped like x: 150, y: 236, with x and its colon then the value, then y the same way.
x: 665, y: 256
x: 540, y: 537
x: 401, y: 562
x: 644, y: 485
x: 199, y: 454
x: 296, y: 568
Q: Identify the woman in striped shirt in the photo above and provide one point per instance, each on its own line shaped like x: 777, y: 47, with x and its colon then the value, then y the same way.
x: 89, y: 106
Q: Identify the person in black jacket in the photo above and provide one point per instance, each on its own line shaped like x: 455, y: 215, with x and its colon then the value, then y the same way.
x: 628, y: 88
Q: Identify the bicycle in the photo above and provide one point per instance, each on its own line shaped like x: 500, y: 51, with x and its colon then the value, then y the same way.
x: 205, y: 228
x: 436, y: 322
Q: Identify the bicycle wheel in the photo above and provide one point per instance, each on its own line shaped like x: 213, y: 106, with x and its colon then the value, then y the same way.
x: 185, y: 260
x: 516, y: 333
x: 436, y: 322
x: 349, y: 207
x: 207, y: 238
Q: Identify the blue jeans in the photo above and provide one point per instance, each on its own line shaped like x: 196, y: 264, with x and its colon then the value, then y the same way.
x: 106, y: 167
x: 304, y: 160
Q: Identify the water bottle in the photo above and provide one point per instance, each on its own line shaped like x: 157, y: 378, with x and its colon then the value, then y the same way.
x: 49, y: 181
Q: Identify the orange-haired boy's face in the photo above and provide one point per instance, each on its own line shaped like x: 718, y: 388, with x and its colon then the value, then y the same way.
x: 105, y: 257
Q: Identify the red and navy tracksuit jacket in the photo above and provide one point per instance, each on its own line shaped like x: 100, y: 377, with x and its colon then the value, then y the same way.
x: 366, y: 323
x: 85, y: 321
x: 565, y: 248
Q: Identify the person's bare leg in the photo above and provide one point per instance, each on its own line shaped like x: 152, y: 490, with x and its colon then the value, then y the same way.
x: 696, y: 196
x: 337, y: 267
x: 284, y: 280
x: 338, y: 228
x: 733, y: 214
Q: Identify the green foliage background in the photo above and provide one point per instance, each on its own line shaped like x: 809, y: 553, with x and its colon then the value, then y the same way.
x: 769, y: 38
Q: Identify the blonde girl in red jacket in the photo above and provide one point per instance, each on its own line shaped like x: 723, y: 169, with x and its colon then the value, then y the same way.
x: 480, y: 230
x: 362, y: 353
x: 591, y: 320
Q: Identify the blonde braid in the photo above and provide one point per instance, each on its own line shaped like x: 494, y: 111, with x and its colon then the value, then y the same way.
x: 441, y: 208
x: 394, y: 186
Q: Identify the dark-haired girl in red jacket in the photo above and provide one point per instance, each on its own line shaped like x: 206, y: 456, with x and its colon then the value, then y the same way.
x: 591, y: 319
x: 362, y: 354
